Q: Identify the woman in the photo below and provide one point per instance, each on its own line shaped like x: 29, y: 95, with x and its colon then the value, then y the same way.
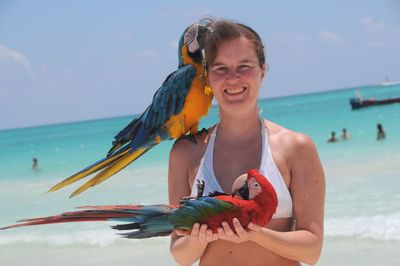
x: 235, y: 65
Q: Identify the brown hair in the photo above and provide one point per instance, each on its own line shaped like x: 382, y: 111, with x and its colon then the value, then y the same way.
x: 223, y: 30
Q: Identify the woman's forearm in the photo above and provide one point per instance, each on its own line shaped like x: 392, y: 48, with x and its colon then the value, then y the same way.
x: 301, y: 245
x: 185, y: 251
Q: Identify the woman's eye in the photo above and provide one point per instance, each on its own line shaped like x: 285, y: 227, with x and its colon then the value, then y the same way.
x: 244, y: 68
x: 221, y: 70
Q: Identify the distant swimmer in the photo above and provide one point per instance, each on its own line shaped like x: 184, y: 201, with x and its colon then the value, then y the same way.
x: 35, y: 164
x: 381, y: 133
x: 333, y: 138
x: 345, y: 135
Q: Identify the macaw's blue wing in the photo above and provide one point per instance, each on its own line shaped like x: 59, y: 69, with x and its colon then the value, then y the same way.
x: 168, y: 100
x: 201, y: 210
x: 142, y: 133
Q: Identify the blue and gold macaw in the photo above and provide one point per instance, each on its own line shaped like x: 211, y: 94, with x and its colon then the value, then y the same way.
x: 175, y: 111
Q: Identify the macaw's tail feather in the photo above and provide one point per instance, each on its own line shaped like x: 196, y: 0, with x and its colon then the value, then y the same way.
x: 144, y: 221
x: 156, y: 226
x: 77, y: 216
x: 97, y: 166
x: 111, y: 169
x: 124, y: 136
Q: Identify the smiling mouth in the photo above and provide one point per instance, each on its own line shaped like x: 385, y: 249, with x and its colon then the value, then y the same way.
x: 234, y: 91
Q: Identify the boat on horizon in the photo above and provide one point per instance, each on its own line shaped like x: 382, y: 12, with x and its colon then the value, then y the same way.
x: 358, y: 102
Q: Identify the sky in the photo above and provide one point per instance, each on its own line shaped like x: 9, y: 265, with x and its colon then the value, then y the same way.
x: 65, y: 61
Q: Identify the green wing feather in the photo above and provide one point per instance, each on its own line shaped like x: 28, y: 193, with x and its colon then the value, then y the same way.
x: 198, y: 211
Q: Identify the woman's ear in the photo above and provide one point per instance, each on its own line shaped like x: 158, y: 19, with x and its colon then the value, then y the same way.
x: 264, y: 69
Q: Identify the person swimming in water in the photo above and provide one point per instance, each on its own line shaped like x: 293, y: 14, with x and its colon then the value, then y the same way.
x: 345, y: 134
x: 35, y: 164
x: 333, y: 138
x: 381, y: 133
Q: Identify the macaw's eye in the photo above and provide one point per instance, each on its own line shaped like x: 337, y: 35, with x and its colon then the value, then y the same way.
x: 256, y: 185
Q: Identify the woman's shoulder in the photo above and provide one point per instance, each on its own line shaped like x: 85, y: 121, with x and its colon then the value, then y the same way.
x: 290, y: 139
x: 191, y: 146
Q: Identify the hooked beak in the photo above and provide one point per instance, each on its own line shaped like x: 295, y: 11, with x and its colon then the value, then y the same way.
x: 243, y: 191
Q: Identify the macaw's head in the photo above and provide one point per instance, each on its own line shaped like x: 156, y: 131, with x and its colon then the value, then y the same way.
x: 192, y: 43
x: 253, y: 185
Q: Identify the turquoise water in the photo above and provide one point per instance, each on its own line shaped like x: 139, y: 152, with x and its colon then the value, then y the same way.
x: 363, y: 180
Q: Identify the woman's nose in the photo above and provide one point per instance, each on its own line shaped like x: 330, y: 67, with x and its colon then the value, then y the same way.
x: 232, y: 74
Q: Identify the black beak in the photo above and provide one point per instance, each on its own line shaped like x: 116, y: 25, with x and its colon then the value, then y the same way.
x: 243, y: 191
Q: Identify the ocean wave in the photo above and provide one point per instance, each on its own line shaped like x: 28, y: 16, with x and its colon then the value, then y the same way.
x: 378, y: 227
x: 385, y: 227
x: 89, y: 237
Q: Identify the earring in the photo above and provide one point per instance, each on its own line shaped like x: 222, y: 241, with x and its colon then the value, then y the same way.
x: 204, y: 77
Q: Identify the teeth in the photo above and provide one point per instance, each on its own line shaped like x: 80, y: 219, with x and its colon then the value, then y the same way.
x: 234, y: 91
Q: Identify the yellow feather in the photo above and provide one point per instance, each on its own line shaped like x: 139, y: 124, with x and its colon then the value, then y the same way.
x: 76, y: 177
x: 197, y: 103
x: 110, y: 170
x: 208, y: 90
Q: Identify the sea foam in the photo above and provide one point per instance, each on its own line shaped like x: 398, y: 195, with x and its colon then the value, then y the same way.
x: 379, y: 227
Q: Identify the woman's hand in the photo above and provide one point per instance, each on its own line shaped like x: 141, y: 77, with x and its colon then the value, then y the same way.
x: 199, y: 233
x: 241, y: 235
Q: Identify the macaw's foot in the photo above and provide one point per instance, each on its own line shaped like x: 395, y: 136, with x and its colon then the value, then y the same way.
x: 189, y: 137
x: 200, y: 191
x: 183, y: 200
x: 192, y: 137
x: 200, y: 188
x: 201, y: 132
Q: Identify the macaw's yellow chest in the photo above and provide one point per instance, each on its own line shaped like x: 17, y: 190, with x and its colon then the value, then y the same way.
x: 196, y: 105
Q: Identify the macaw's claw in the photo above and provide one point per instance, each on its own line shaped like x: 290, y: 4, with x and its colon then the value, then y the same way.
x: 200, y: 188
x: 201, y: 132
x: 189, y: 137
x: 200, y: 191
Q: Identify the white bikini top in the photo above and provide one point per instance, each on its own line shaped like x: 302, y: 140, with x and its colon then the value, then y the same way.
x: 268, y: 168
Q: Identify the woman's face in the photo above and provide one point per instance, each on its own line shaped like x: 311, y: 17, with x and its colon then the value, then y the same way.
x: 235, y: 76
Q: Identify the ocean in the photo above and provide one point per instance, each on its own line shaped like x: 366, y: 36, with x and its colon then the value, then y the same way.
x: 362, y: 211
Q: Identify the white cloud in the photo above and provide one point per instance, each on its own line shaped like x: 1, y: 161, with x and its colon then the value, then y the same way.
x: 13, y: 64
x: 330, y: 36
x: 147, y: 54
x: 372, y: 24
x: 380, y: 35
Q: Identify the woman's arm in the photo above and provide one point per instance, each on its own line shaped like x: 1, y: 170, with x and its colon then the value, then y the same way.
x: 307, y: 188
x: 186, y: 247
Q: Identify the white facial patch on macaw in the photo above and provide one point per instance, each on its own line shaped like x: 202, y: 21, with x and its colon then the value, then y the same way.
x: 254, y: 187
x: 190, y: 38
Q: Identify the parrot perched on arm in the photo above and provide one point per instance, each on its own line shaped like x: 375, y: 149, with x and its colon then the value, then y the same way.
x: 175, y: 111
x: 253, y: 200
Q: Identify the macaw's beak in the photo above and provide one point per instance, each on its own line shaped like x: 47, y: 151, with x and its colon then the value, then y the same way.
x: 240, y: 187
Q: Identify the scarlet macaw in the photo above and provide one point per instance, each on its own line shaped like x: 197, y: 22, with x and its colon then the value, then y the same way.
x: 176, y: 110
x: 257, y: 203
